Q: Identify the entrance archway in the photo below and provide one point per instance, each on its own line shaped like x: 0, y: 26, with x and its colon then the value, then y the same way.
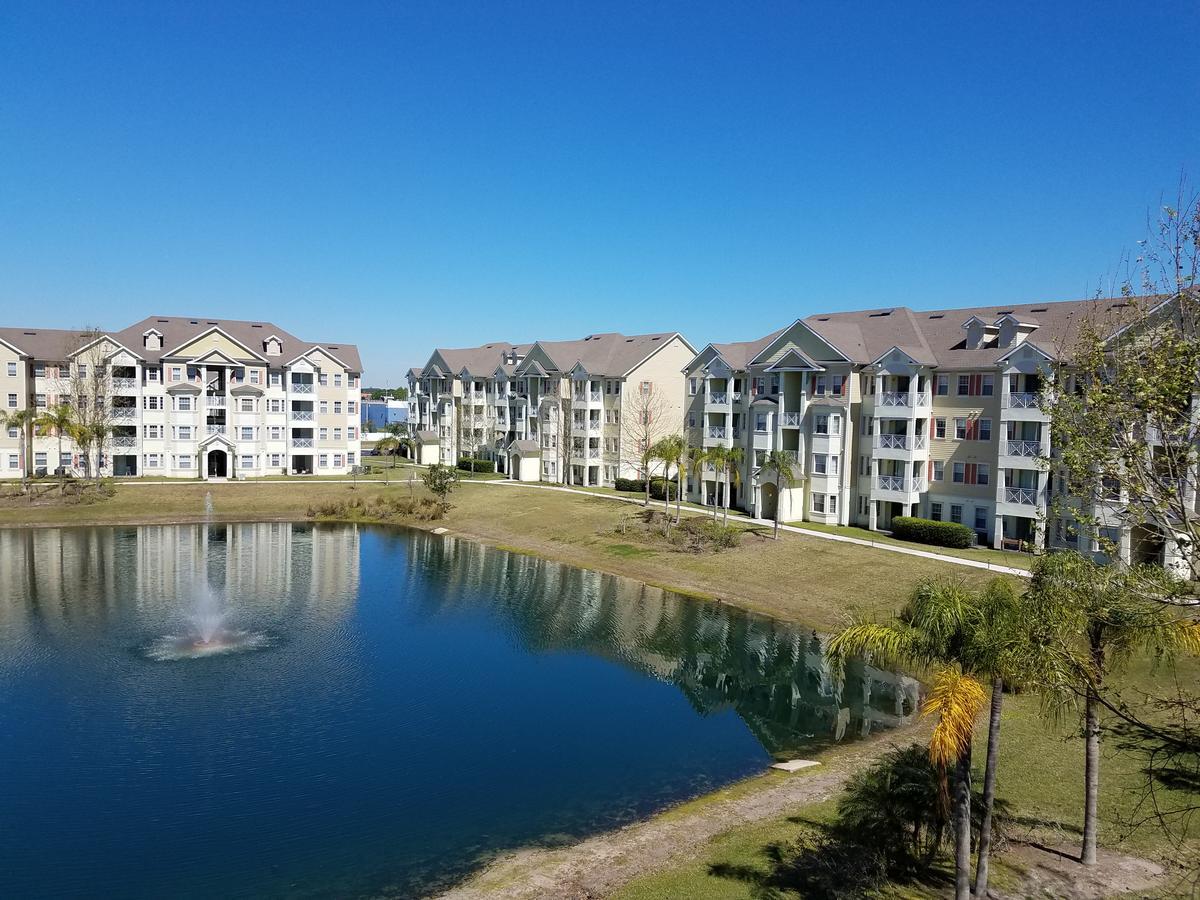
x: 218, y: 464
x: 768, y: 500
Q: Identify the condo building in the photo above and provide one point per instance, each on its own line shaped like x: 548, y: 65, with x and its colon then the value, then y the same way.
x: 897, y: 412
x: 576, y: 412
x: 184, y: 398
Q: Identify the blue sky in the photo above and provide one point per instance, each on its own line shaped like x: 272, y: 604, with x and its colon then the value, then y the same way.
x: 413, y: 175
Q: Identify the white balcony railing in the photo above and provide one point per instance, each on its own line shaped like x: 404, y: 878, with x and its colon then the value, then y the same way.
x: 891, y: 482
x: 217, y: 400
x: 893, y: 398
x: 1023, y: 400
x: 595, y: 396
x: 737, y: 396
x: 891, y: 441
x: 1022, y: 495
x: 124, y: 412
x: 214, y: 429
x: 593, y: 453
x: 1024, y: 448
x: 595, y: 425
x: 920, y: 441
x: 716, y: 431
x: 790, y: 420
x: 124, y: 441
x: 302, y: 415
x: 124, y: 384
x: 793, y: 455
x: 302, y: 443
x: 302, y: 387
x: 718, y: 397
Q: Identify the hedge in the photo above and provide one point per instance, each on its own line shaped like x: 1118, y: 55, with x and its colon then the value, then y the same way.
x: 927, y: 531
x: 638, y: 486
x: 480, y: 465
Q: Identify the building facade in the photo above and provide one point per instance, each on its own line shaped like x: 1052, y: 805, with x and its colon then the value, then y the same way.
x: 184, y: 398
x: 583, y: 410
x: 895, y: 412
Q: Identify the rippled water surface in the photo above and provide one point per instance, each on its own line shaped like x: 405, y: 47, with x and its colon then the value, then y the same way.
x: 352, y: 712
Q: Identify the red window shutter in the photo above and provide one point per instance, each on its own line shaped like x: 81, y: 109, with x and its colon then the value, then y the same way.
x: 932, y: 428
x: 812, y: 383
x: 929, y: 477
x: 970, y: 475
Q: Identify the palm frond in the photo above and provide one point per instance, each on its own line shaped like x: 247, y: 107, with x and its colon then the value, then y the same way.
x: 956, y: 699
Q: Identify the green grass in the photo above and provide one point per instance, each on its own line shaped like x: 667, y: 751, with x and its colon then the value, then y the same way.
x: 983, y: 554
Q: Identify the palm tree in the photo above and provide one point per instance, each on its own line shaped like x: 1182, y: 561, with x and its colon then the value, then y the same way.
x: 779, y: 465
x: 963, y: 636
x: 669, y: 451
x: 698, y: 459
x: 389, y: 445
x: 673, y: 451
x: 718, y: 458
x: 1101, y: 615
x: 23, y: 420
x: 733, y: 474
x: 59, y: 420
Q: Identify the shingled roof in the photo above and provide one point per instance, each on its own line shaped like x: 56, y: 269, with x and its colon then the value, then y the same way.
x: 608, y: 353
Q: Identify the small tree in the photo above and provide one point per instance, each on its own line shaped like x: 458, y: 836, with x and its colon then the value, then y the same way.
x: 779, y: 467
x: 22, y: 420
x: 90, y: 388
x: 389, y: 445
x: 58, y: 420
x: 644, y: 422
x: 733, y: 475
x: 441, y: 480
x: 718, y: 458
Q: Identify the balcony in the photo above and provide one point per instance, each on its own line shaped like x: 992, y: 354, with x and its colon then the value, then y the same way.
x: 1029, y: 449
x: 891, y: 441
x: 302, y: 443
x: 892, y: 398
x: 302, y: 387
x: 892, y: 482
x: 302, y: 415
x: 1022, y: 400
x: 124, y: 441
x: 595, y: 396
x: 593, y: 453
x: 124, y: 384
x: 215, y: 400
x: 718, y: 398
x: 1022, y: 496
x: 716, y: 431
x: 214, y: 429
x: 737, y: 396
x: 790, y: 419
x: 124, y: 413
x: 900, y: 484
x: 903, y: 399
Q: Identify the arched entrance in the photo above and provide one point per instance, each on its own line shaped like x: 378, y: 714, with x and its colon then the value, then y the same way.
x: 218, y: 464
x: 768, y: 500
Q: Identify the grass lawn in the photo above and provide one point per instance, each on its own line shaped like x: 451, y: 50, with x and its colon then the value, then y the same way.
x: 983, y: 554
x: 808, y: 580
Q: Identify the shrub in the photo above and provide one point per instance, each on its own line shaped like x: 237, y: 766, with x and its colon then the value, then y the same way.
x: 927, y: 531
x: 480, y: 465
x: 658, y: 486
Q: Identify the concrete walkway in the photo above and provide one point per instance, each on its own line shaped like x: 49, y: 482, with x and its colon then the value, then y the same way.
x: 687, y: 507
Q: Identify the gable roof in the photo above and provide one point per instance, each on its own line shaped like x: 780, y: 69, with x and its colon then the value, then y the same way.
x: 607, y: 353
x: 737, y: 355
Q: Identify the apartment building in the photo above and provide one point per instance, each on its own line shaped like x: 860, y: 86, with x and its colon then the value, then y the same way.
x: 890, y: 412
x: 574, y: 412
x: 186, y: 398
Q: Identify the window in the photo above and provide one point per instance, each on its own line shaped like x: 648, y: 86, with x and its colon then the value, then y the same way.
x: 943, y: 385
x: 835, y: 424
x: 12, y: 401
x: 337, y: 380
x: 820, y: 463
x: 176, y: 373
x: 758, y: 385
x: 275, y: 406
x: 832, y: 504
x: 964, y: 385
x: 323, y: 461
x: 183, y: 461
x: 939, y: 428
x: 774, y: 384
x: 837, y: 382
x: 352, y: 433
x: 12, y: 370
x: 691, y: 420
x: 152, y: 460
x: 818, y: 503
x: 337, y: 407
x: 323, y: 379
x: 184, y: 432
x: 184, y: 404
x: 981, y: 474
x: 819, y: 385
x: 337, y: 460
x: 40, y: 400
x: 324, y: 407
x: 833, y: 464
x: 273, y: 379
x: 691, y: 384
x: 324, y: 432
x: 939, y: 470
x: 276, y: 459
x: 247, y: 405
x: 151, y: 431
x: 81, y: 369
x: 13, y: 461
x: 39, y: 370
x: 821, y: 424
x: 960, y: 470
x: 960, y: 429
x: 255, y: 376
x: 39, y: 459
x: 152, y: 376
x: 760, y: 421
x: 864, y: 465
x: 984, y: 430
x: 351, y: 407
x: 955, y: 513
x: 350, y: 457
x: 337, y: 434
x: 247, y: 433
x: 988, y: 386
x: 13, y: 433
x: 981, y: 518
x: 276, y: 432
x: 152, y: 402
x: 935, y: 511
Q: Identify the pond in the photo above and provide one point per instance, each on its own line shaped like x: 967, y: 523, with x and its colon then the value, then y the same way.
x: 279, y: 709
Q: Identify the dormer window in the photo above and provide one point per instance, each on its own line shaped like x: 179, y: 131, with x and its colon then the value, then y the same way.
x: 272, y: 346
x: 152, y: 339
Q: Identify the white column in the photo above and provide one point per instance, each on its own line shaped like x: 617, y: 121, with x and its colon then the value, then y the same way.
x: 874, y: 522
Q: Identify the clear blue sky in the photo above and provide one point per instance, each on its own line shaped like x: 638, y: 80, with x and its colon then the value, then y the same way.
x: 421, y: 174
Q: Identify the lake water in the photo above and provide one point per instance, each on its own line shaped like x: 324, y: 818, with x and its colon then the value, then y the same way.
x: 394, y: 707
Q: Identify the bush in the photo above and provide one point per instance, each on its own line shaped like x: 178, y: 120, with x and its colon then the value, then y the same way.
x: 659, y: 486
x: 927, y: 531
x: 480, y: 465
